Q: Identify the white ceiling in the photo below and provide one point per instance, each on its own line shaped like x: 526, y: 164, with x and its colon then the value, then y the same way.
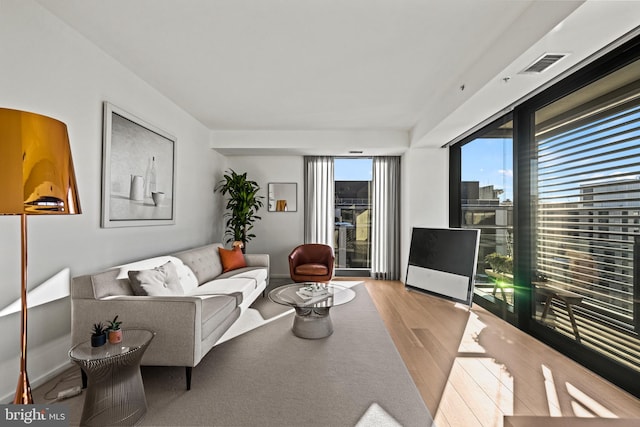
x: 251, y: 70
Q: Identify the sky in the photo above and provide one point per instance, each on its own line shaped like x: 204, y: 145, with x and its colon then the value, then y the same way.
x: 489, y: 161
x: 353, y: 169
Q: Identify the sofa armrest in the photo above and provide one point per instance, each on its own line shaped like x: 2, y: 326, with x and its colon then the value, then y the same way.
x: 176, y: 320
x: 257, y: 260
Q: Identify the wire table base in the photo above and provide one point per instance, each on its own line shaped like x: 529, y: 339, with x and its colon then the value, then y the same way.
x: 115, y: 393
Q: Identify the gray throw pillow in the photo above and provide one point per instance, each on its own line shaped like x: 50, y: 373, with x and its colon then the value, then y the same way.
x: 159, y: 281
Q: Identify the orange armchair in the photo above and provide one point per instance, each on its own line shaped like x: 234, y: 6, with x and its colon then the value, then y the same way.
x: 311, y: 262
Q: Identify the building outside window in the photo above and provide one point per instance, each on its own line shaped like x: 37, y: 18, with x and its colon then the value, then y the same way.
x: 353, y: 178
x: 486, y: 202
x: 586, y: 216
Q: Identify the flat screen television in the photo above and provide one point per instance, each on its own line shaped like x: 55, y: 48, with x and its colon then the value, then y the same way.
x: 443, y: 261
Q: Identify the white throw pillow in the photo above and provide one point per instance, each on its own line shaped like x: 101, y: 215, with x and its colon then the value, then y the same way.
x: 144, y: 264
x: 188, y: 280
x: 162, y: 280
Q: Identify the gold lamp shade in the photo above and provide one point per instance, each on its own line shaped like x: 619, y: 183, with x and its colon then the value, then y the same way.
x: 36, y: 178
x: 36, y: 168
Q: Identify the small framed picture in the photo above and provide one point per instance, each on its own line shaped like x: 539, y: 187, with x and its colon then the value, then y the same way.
x: 138, y: 172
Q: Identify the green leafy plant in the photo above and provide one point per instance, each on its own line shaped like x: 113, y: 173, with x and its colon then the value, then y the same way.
x: 114, y: 324
x: 242, y: 206
x: 500, y: 263
x: 98, y: 329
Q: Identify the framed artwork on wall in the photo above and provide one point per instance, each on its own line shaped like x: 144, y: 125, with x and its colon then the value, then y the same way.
x: 138, y: 172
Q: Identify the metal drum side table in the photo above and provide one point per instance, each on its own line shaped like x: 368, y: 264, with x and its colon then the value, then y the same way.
x: 115, y: 393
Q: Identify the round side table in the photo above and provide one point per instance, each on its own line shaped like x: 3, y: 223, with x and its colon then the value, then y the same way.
x: 115, y: 393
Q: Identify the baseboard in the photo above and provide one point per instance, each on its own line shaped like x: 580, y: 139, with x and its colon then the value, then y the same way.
x: 352, y: 272
x: 39, y: 366
x: 535, y: 421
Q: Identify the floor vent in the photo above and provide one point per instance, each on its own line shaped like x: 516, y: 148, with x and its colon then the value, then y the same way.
x: 544, y: 62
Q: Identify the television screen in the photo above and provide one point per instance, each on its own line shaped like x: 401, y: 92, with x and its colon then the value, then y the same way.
x: 442, y: 261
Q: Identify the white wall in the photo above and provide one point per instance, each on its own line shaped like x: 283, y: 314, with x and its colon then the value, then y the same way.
x: 278, y: 232
x: 424, y: 198
x: 425, y: 194
x: 47, y: 68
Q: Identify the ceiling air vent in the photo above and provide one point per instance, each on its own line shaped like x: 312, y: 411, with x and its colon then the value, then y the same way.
x: 544, y: 62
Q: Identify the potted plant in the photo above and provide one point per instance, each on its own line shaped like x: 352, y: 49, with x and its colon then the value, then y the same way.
x: 242, y: 206
x: 98, y: 335
x: 501, y: 267
x: 115, y: 333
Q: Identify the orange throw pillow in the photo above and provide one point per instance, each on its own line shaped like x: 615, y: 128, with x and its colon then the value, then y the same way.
x: 231, y: 259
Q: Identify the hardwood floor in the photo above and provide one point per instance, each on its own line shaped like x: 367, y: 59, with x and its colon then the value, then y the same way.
x: 473, y: 369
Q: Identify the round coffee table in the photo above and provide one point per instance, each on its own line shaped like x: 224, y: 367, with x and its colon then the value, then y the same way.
x: 115, y: 394
x: 312, y: 302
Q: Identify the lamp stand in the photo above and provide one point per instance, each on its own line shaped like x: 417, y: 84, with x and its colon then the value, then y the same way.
x: 23, y: 391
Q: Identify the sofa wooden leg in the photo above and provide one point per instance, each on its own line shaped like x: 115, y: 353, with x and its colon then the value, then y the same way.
x: 84, y: 378
x: 188, y: 372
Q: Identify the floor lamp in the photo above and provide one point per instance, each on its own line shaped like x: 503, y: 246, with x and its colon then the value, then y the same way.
x: 36, y: 178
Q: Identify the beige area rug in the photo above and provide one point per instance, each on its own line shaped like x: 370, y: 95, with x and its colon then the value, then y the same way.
x: 270, y: 377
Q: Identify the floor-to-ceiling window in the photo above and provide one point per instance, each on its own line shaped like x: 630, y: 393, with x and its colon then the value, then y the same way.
x: 586, y: 215
x: 575, y: 245
x: 486, y: 203
x: 353, y: 178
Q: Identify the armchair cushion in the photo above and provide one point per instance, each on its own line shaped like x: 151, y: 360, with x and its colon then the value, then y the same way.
x: 312, y: 269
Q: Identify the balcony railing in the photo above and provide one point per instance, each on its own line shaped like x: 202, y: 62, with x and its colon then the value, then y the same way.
x: 353, y: 245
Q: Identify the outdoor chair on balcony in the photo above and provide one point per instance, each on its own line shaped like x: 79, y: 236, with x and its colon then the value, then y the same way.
x: 311, y: 262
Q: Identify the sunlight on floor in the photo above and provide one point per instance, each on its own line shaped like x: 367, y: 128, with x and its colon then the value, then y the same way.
x: 249, y: 320
x: 585, y: 406
x: 377, y: 416
x: 482, y: 389
x: 469, y: 341
x: 478, y: 379
x: 552, y: 395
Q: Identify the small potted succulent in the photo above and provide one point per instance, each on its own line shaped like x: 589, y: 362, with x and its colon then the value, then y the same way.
x: 98, y: 335
x: 115, y: 333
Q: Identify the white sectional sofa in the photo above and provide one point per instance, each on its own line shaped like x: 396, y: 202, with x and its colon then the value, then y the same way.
x: 188, y: 323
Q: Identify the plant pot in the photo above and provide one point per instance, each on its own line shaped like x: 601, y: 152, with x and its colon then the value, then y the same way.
x: 115, y: 337
x: 98, y: 340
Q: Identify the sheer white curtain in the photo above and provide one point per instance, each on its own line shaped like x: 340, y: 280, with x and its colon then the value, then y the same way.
x: 385, y: 223
x: 319, y: 212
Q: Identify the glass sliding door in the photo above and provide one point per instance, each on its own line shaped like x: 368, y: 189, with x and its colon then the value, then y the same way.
x: 353, y: 177
x: 486, y: 195
x: 585, y: 208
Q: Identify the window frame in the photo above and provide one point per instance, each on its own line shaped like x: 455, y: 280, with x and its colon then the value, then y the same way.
x: 523, y: 214
x: 455, y: 207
